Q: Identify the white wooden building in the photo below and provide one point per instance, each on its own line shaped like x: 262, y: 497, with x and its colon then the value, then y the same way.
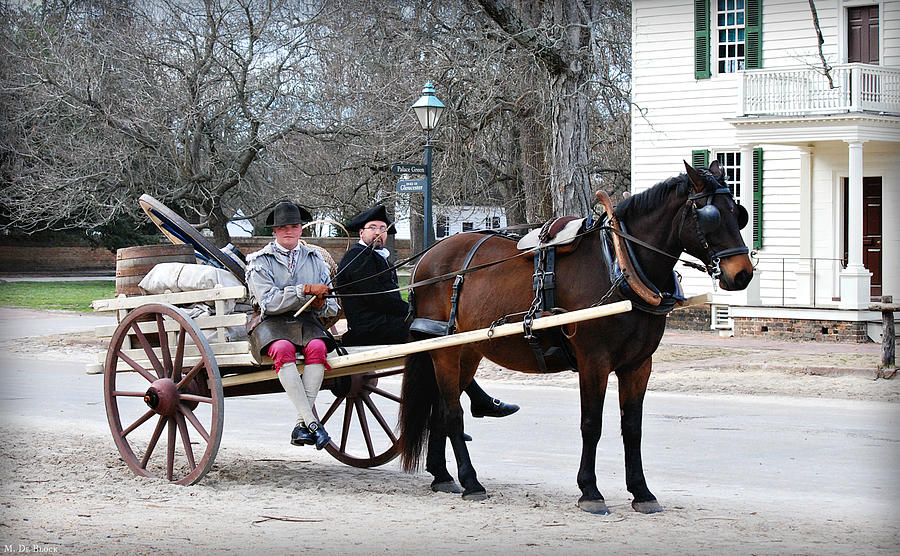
x: 817, y: 166
x: 453, y: 219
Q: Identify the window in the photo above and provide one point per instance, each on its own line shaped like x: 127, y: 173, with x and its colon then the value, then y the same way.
x: 737, y: 31
x: 732, y: 163
x: 731, y: 32
x: 467, y: 226
x: 491, y: 222
x: 443, y: 226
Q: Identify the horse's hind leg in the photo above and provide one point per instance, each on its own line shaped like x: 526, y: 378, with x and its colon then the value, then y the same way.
x: 435, y: 460
x: 451, y: 370
x: 632, y: 387
x: 592, y: 387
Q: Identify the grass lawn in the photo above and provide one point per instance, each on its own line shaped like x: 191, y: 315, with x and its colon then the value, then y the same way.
x: 72, y: 296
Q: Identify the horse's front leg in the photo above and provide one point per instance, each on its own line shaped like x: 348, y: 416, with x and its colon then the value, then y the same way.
x: 632, y: 387
x: 592, y: 386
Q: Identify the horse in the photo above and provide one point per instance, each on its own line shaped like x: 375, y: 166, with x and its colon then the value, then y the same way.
x: 693, y: 213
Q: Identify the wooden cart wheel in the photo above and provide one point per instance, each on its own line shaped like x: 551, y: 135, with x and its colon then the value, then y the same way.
x: 362, y: 417
x: 179, y: 394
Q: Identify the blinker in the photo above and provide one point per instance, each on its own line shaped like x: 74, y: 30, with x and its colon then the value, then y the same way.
x: 742, y: 217
x: 708, y: 219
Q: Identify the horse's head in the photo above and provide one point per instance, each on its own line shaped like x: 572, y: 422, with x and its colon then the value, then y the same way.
x: 711, y: 225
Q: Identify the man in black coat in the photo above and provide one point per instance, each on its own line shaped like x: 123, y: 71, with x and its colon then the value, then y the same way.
x: 381, y: 318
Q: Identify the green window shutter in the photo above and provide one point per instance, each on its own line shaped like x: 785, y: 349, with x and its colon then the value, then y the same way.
x: 701, y: 39
x: 700, y: 159
x: 753, y: 28
x: 757, y: 197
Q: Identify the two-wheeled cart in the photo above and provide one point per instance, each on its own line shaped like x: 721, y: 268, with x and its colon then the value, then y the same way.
x: 166, y: 376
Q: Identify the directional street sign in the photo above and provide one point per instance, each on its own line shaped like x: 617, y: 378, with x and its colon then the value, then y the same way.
x: 411, y: 186
x: 408, y: 168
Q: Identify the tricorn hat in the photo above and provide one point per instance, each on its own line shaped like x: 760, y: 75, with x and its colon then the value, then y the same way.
x: 375, y: 213
x: 286, y: 213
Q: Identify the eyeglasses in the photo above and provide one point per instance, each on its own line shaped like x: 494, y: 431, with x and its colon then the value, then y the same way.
x: 377, y: 228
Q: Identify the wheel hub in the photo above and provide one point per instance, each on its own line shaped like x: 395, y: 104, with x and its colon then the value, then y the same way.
x: 162, y: 397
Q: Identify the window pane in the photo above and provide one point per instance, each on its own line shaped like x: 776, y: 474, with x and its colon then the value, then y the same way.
x: 731, y: 19
x: 740, y: 18
x: 740, y: 4
x: 721, y: 20
x: 730, y: 4
x: 467, y: 226
x: 721, y: 5
x: 741, y: 35
x: 722, y: 35
x: 731, y: 35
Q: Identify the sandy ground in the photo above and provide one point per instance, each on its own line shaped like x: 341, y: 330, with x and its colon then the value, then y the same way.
x: 65, y: 490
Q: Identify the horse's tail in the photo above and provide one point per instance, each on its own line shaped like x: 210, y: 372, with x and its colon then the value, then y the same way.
x: 419, y: 399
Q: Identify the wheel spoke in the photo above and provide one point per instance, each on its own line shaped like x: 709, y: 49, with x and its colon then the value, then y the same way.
x: 164, y: 345
x: 334, y: 405
x: 170, y: 450
x: 364, y: 425
x: 129, y: 394
x: 348, y: 413
x: 179, y: 354
x: 381, y: 374
x: 185, y: 440
x: 151, y: 355
x: 380, y: 392
x: 191, y: 374
x: 153, y: 441
x: 193, y: 398
x: 194, y: 421
x: 141, y: 370
x: 143, y: 419
x: 373, y: 409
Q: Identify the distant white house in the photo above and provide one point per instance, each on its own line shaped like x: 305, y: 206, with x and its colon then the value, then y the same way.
x: 240, y: 228
x: 818, y: 166
x: 453, y: 219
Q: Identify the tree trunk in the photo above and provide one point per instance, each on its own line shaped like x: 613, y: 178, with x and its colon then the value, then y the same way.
x: 570, y: 181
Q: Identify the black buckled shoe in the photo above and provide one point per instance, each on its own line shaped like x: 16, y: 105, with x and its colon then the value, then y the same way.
x: 318, y: 432
x: 496, y: 409
x: 301, y: 436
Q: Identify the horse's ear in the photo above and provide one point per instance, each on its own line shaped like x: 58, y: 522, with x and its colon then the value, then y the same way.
x: 716, y: 169
x: 694, y: 176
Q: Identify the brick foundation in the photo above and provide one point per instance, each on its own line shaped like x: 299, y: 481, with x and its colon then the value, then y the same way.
x: 690, y: 318
x: 801, y: 330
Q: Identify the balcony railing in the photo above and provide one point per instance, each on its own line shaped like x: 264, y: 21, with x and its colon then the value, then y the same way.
x: 802, y: 91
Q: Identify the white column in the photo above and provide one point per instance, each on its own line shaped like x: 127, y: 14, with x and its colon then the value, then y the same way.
x: 805, y: 292
x: 855, y: 279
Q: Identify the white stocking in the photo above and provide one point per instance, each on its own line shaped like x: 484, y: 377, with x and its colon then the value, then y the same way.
x: 290, y: 380
x: 312, y: 381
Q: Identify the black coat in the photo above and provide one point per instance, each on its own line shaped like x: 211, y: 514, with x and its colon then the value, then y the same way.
x: 371, y: 319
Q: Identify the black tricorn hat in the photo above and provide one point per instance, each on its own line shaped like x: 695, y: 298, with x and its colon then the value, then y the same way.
x: 375, y: 213
x: 286, y: 213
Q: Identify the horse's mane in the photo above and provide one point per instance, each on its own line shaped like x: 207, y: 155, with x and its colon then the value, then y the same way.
x: 650, y: 199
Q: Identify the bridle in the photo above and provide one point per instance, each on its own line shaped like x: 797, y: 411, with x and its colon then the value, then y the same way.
x: 707, y: 220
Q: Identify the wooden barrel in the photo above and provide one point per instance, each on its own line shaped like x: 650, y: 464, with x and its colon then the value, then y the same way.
x: 133, y: 263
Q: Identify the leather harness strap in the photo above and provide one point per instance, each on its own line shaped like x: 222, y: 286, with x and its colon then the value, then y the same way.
x: 625, y: 263
x: 458, y: 283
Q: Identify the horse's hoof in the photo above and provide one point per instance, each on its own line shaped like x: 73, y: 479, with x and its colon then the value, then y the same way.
x: 450, y: 487
x: 594, y: 506
x: 648, y: 507
x: 476, y: 496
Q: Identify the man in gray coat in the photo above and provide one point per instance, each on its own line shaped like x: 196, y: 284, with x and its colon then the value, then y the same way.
x: 282, y: 277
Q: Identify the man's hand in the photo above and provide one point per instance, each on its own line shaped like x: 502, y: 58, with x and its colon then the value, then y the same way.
x: 319, y: 291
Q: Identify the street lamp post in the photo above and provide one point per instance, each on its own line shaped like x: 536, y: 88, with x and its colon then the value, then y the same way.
x: 428, y: 110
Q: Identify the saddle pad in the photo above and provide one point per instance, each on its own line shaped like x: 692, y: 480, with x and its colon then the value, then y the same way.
x: 563, y: 237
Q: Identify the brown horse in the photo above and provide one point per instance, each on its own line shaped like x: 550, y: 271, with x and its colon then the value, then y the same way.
x: 693, y: 213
